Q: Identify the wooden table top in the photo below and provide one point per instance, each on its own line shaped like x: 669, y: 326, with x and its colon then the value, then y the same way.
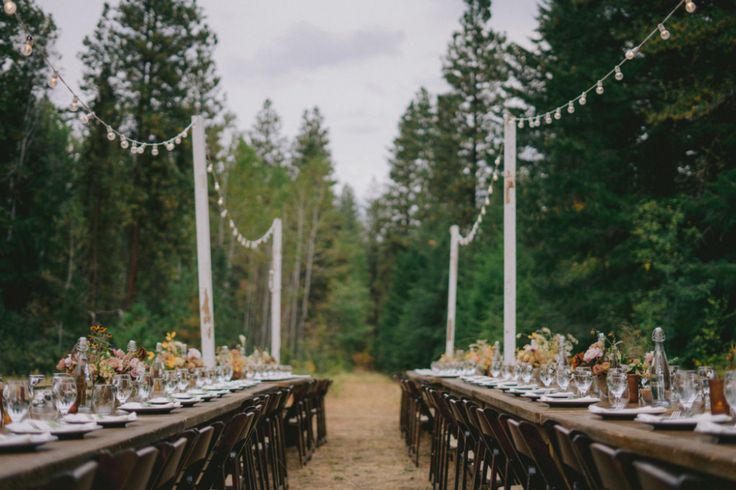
x: 20, y: 471
x: 688, y: 449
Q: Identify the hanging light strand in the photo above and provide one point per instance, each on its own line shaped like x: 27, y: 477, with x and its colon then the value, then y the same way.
x: 468, y: 239
x: 226, y: 214
x: 598, y: 87
x: 77, y: 103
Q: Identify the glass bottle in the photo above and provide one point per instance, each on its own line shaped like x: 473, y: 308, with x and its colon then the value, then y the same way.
x: 81, y: 376
x: 157, y: 368
x: 659, y: 371
x: 132, y: 347
x: 561, y: 357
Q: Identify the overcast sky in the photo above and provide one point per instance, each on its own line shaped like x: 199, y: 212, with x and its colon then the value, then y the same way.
x: 359, y: 61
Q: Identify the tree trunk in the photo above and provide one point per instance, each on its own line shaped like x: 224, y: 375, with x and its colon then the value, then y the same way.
x: 310, y: 263
x: 296, y: 276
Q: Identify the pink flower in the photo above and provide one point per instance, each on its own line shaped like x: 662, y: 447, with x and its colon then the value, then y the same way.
x: 593, y: 353
x: 194, y: 354
x: 648, y: 357
x: 118, y: 353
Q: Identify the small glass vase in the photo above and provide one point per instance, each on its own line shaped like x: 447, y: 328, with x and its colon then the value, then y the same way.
x: 103, y: 399
x: 633, y: 381
x: 718, y: 403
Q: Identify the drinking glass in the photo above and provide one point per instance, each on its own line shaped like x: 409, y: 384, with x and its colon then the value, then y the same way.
x: 616, y: 380
x: 183, y: 380
x: 123, y: 387
x: 496, y: 366
x: 729, y: 389
x: 516, y: 372
x: 526, y: 372
x: 219, y: 374
x: 171, y: 382
x: 687, y: 385
x: 42, y: 405
x: 583, y: 380
x: 17, y: 399
x: 64, y: 389
x: 507, y: 371
x: 143, y: 387
x: 705, y: 373
x: 34, y: 380
x: 209, y: 377
x: 103, y: 399
x: 546, y: 374
x: 199, y: 377
x: 563, y: 375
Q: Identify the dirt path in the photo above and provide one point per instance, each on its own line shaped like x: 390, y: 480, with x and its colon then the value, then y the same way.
x: 364, y: 447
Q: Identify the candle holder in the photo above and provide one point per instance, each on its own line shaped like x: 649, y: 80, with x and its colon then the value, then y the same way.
x: 718, y: 403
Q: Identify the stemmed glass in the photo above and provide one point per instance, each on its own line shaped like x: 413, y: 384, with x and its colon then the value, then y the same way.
x: 143, y: 387
x: 183, y: 380
x: 616, y: 380
x: 729, y: 389
x: 563, y: 377
x: 199, y: 378
x: 526, y: 372
x: 686, y: 385
x: 34, y: 380
x: 123, y: 387
x: 227, y: 372
x: 496, y: 366
x: 546, y: 374
x: 64, y: 389
x: 17, y: 399
x: 507, y: 372
x: 705, y: 374
x: 171, y: 382
x: 583, y: 380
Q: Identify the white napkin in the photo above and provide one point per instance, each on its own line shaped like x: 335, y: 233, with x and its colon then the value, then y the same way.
x: 15, y: 439
x: 701, y: 417
x: 29, y: 427
x: 573, y: 401
x: 621, y: 411
x: 708, y: 427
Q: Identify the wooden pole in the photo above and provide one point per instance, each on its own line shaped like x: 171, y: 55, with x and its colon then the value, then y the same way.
x: 204, y: 261
x: 509, y: 241
x: 276, y: 292
x: 452, y: 290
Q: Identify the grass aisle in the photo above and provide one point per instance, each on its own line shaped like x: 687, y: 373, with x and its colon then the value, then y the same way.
x: 364, y: 447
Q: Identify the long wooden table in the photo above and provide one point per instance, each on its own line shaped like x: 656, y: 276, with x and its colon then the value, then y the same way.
x: 20, y: 471
x: 685, y: 448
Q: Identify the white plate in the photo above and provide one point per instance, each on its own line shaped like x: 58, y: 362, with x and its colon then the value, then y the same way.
x: 107, y: 421
x: 624, y: 413
x: 145, y: 408
x: 24, y: 442
x: 61, y: 430
x: 724, y: 433
x: 561, y: 394
x: 679, y: 423
x: 159, y: 400
x: 189, y: 402
x: 569, y: 402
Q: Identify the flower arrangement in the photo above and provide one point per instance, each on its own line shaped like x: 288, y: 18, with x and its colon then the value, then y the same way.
x: 543, y: 347
x: 481, y: 353
x: 104, y: 361
x: 640, y: 365
x: 600, y: 355
x: 176, y: 355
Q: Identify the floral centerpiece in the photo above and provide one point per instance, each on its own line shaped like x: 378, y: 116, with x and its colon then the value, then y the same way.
x: 544, y: 347
x: 600, y: 355
x: 176, y: 355
x: 104, y: 361
x: 481, y: 353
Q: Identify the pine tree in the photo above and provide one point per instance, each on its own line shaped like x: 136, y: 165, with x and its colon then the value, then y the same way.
x: 265, y: 136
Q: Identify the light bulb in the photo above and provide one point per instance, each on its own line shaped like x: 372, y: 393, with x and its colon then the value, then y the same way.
x: 184, y: 134
x: 110, y: 134
x: 520, y: 124
x: 27, y: 48
x: 223, y: 213
x: 558, y: 114
x: 495, y: 178
x: 141, y: 149
x: 154, y: 150
x: 220, y: 202
x: 630, y: 54
x: 169, y: 145
x: 618, y: 74
x: 548, y: 119
x: 133, y: 149
x: 177, y: 140
x: 9, y: 7
x: 498, y: 160
x: 570, y: 107
x: 217, y: 186
x: 75, y: 104
x: 124, y: 143
x: 209, y: 168
x: 235, y: 232
x: 583, y: 99
x: 599, y: 87
x: 53, y: 80
x: 84, y: 117
x: 690, y: 7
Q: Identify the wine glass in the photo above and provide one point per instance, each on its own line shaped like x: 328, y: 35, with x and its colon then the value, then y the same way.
x: 496, y: 366
x: 729, y: 389
x: 546, y: 374
x: 34, y: 380
x: 183, y: 380
x: 171, y: 382
x: 64, y: 389
x: 507, y: 372
x: 616, y: 380
x: 686, y: 385
x: 705, y: 374
x: 563, y: 376
x: 516, y: 373
x: 143, y: 387
x: 123, y: 387
x: 227, y: 372
x: 526, y: 372
x: 583, y: 379
x: 199, y: 377
x: 17, y: 399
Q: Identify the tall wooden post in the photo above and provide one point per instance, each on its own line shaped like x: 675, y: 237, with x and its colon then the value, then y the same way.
x: 452, y: 290
x: 204, y: 261
x: 276, y: 292
x: 509, y: 240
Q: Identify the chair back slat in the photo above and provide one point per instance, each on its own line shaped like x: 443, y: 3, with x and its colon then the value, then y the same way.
x: 81, y: 478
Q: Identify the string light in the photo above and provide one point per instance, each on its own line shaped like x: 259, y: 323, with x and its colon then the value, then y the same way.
x: 10, y: 8
x: 224, y: 213
x: 468, y: 239
x: 615, y: 72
